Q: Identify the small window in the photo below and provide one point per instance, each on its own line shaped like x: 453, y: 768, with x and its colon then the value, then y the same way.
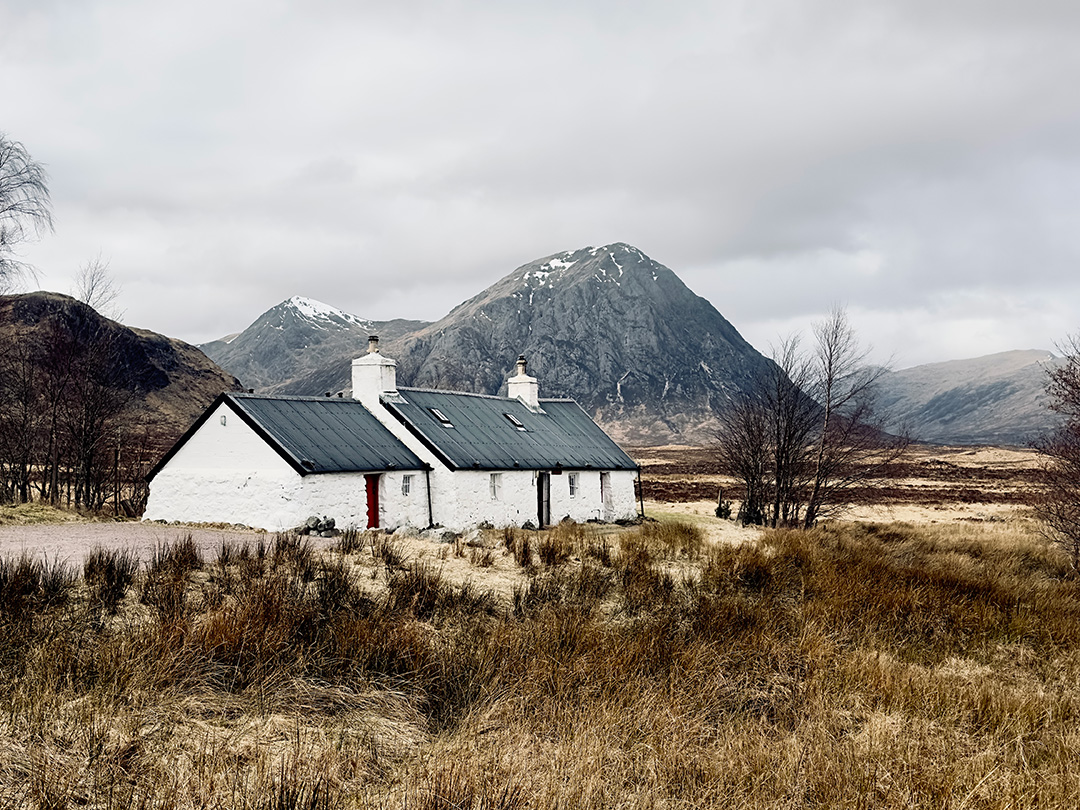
x: 495, y: 486
x: 444, y: 420
x: 515, y: 422
x: 572, y: 480
x: 406, y: 485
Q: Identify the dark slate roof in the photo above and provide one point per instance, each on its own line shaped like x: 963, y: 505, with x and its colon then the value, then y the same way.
x: 315, y: 434
x: 482, y: 437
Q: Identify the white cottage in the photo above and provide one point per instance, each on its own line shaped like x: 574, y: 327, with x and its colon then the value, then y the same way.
x: 391, y: 457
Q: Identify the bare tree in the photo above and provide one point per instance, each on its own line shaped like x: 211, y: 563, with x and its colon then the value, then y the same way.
x: 793, y: 416
x: 851, y: 444
x: 808, y: 434
x: 745, y: 451
x: 96, y: 287
x: 25, y: 207
x: 20, y: 417
x: 1059, y: 501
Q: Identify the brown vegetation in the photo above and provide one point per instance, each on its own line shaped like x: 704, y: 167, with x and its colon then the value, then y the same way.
x: 873, y: 665
x: 923, y: 475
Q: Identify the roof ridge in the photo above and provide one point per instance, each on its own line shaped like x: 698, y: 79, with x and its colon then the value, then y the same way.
x: 457, y: 393
x: 289, y: 397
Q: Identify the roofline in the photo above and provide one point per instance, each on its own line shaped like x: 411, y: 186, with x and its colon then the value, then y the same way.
x: 229, y: 398
x: 452, y: 393
x: 450, y: 465
x: 478, y: 396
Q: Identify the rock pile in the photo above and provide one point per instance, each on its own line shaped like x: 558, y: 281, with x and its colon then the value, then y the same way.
x: 317, y: 527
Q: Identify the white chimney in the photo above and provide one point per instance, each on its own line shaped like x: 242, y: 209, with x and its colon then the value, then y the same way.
x: 373, y: 375
x: 524, y: 387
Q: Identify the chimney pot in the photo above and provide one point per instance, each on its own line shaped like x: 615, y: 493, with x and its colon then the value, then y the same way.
x: 373, y: 344
x: 524, y: 387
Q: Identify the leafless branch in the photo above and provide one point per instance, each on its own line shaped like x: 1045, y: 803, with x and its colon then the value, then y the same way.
x: 25, y: 207
x: 96, y: 287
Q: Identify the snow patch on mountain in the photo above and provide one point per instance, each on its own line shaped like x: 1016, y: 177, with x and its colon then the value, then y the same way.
x: 314, y: 310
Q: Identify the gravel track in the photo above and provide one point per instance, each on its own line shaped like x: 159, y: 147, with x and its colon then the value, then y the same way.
x: 71, y: 542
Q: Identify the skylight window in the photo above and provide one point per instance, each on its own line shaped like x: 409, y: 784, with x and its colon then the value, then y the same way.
x: 444, y: 420
x: 516, y: 422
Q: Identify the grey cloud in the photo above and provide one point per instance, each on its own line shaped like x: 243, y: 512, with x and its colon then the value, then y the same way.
x: 779, y: 156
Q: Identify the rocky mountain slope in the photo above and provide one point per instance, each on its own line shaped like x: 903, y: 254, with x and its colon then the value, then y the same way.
x: 995, y: 399
x: 607, y: 326
x: 291, y: 340
x: 168, y: 381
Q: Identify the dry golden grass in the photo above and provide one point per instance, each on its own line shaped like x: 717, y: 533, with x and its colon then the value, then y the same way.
x: 861, y: 665
x: 28, y: 514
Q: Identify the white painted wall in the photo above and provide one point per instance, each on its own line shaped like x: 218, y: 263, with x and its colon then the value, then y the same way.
x: 462, y: 499
x: 587, y: 504
x: 228, y: 474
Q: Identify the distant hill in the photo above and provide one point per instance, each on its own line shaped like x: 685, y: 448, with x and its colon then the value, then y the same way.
x: 995, y: 399
x: 166, y: 379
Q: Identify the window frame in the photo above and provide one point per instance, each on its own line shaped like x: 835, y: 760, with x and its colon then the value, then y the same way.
x: 517, y: 423
x: 442, y: 418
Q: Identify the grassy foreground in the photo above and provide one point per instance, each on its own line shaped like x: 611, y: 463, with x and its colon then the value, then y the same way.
x: 853, y: 666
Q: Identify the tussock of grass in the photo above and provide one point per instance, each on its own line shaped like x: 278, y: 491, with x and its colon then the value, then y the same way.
x: 108, y: 572
x: 887, y: 666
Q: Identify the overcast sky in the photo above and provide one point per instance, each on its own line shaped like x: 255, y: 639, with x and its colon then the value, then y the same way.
x: 917, y: 160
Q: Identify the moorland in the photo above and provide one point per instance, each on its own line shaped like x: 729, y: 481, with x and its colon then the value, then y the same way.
x: 922, y: 651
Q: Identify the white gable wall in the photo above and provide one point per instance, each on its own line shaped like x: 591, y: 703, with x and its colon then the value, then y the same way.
x: 226, y: 473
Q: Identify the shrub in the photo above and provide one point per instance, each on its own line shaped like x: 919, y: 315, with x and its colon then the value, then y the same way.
x: 351, y: 540
x: 294, y: 551
x: 675, y: 537
x: 108, y: 572
x: 385, y: 548
x: 175, y: 560
x: 29, y: 585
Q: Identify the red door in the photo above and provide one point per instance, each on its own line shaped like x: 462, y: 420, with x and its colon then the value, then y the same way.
x: 372, y: 500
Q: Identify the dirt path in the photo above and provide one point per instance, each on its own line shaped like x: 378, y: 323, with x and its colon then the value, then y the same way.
x: 71, y: 542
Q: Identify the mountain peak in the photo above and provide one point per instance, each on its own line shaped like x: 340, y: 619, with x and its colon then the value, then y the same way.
x: 598, y: 265
x: 608, y: 326
x: 319, y: 313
